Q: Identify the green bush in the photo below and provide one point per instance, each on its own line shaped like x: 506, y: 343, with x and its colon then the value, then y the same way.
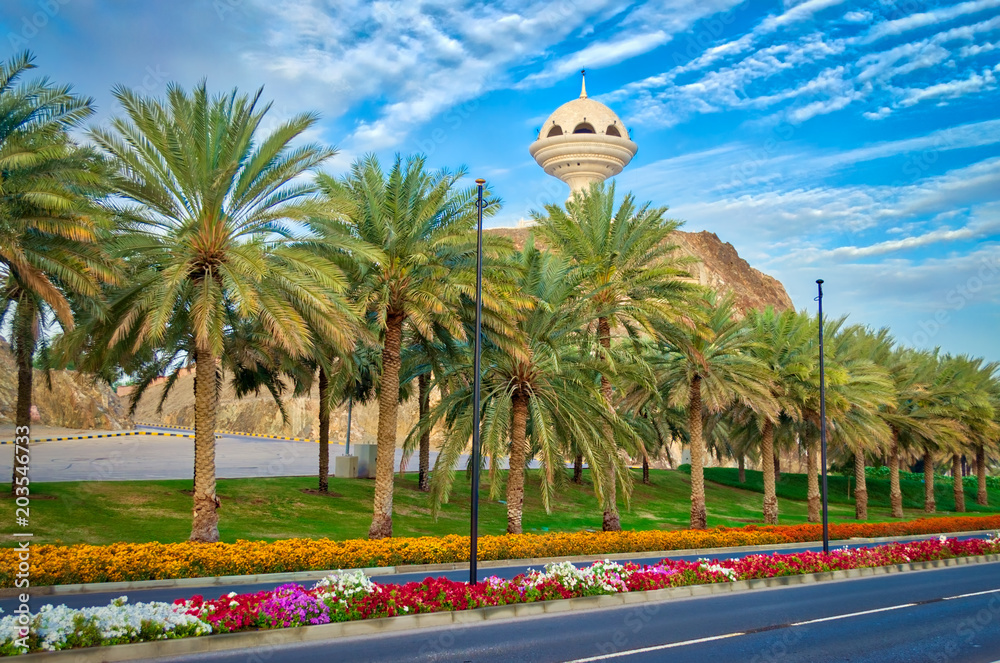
x: 992, y: 482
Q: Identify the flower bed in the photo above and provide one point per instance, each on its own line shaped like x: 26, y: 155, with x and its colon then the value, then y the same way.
x: 58, y: 565
x: 350, y: 595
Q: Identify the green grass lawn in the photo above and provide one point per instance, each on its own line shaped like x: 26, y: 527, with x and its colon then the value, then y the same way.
x: 277, y: 508
x: 794, y: 487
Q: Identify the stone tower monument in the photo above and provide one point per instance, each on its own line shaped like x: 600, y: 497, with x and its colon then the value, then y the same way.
x: 583, y: 141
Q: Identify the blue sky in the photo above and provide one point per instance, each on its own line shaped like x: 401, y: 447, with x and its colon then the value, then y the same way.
x: 857, y: 142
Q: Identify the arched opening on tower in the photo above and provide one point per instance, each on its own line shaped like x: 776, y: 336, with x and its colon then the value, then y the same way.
x: 554, y: 131
x: 584, y: 128
x: 612, y: 130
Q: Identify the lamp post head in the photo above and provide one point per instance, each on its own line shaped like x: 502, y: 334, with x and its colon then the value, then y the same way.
x: 480, y: 181
x: 819, y: 281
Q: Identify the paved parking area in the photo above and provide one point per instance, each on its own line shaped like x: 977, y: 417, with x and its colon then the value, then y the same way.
x: 137, y: 457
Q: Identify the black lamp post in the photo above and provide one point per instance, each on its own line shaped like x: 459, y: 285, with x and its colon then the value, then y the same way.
x: 476, y: 379
x: 822, y: 418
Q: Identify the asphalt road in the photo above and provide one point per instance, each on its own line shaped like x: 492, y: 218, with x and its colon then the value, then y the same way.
x: 904, y: 619
x: 142, y: 457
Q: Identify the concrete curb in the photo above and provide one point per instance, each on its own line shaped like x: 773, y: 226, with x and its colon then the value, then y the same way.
x: 388, y: 571
x: 289, y: 636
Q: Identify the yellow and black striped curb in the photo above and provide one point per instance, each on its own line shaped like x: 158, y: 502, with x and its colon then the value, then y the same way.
x: 94, y: 437
x: 143, y: 651
x: 235, y: 432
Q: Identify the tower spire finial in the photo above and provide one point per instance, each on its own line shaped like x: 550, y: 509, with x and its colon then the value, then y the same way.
x: 583, y: 83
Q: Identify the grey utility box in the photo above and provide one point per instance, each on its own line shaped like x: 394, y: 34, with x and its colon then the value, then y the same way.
x: 345, y: 467
x: 366, y: 460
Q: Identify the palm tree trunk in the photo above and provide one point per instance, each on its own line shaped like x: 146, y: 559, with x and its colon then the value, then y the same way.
x: 612, y: 521
x: 424, y: 403
x: 578, y: 469
x: 741, y: 464
x: 777, y: 466
x: 518, y: 454
x: 25, y: 338
x: 929, y: 506
x: 813, y: 496
x: 766, y: 454
x: 205, y: 526
x: 895, y: 493
x: 645, y: 470
x: 860, y: 488
x: 956, y: 482
x: 699, y: 514
x: 388, y: 409
x: 982, y: 497
x: 324, y: 432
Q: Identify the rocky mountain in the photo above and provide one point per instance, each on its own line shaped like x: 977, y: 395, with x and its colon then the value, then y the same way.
x: 73, y: 401
x: 716, y: 264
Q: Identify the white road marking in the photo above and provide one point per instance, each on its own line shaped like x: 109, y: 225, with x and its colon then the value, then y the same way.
x: 965, y: 596
x: 853, y: 614
x: 685, y: 643
x: 644, y: 650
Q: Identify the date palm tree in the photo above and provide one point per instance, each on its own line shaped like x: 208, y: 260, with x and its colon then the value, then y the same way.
x: 917, y: 416
x: 856, y: 399
x: 534, y: 401
x: 629, y: 276
x: 51, y: 261
x: 206, y: 201
x: 990, y: 444
x: 423, y: 360
x: 969, y: 401
x: 783, y: 345
x: 424, y: 226
x: 715, y: 368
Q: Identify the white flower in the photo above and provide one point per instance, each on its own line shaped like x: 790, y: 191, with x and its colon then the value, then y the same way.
x: 607, y: 576
x: 718, y: 568
x: 117, y: 620
x: 347, y: 584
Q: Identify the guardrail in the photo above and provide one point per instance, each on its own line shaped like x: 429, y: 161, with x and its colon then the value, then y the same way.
x: 235, y: 432
x: 92, y: 437
x: 161, y: 434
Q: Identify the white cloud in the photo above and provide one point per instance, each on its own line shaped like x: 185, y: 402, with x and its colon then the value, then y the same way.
x: 422, y: 58
x: 599, y: 54
x: 800, y: 12
x: 858, y: 16
x: 973, y: 134
x: 950, y: 89
x: 978, y: 49
x: 924, y: 19
x: 822, y: 107
x: 937, y: 236
x: 879, y: 114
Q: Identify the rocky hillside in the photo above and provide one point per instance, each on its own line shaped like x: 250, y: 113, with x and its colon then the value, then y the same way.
x: 74, y: 401
x: 716, y: 265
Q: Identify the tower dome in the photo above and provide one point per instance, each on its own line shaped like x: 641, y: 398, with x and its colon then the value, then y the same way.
x: 582, y: 142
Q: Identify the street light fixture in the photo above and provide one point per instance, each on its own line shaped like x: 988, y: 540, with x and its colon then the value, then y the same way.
x: 476, y: 380
x: 822, y: 418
